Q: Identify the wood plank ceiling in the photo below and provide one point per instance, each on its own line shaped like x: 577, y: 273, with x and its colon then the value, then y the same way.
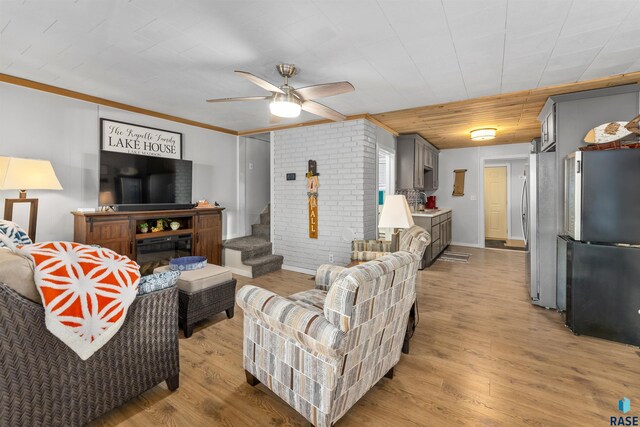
x: 514, y: 115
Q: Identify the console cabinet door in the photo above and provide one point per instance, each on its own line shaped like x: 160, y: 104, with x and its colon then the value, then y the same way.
x: 208, y: 239
x: 115, y: 235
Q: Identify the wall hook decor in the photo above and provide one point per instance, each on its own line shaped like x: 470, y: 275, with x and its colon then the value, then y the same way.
x: 312, y: 193
x: 458, y: 182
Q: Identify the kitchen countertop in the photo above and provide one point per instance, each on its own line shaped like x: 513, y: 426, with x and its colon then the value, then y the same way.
x: 430, y: 213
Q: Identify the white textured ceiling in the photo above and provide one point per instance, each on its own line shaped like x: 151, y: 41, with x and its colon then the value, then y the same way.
x: 170, y: 56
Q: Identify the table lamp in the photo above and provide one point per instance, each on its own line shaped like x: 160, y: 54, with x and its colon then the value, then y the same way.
x: 395, y: 214
x: 26, y: 174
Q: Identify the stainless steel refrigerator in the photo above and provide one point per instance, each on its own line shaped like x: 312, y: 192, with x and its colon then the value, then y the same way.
x: 539, y: 221
x: 599, y: 257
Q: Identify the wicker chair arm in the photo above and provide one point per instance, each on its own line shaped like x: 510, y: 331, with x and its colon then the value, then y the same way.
x: 327, y: 274
x: 309, y: 328
x: 43, y: 382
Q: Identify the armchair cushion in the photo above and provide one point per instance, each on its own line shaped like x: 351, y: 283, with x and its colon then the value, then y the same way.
x: 308, y: 327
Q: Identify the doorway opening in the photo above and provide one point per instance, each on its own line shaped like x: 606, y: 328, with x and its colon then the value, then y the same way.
x: 501, y: 212
x: 386, y: 184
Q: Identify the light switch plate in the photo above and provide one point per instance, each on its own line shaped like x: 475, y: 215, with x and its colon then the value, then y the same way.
x: 473, y: 197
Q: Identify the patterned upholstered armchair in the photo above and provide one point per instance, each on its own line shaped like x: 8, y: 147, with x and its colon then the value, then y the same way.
x: 321, y: 350
x: 414, y: 239
x: 366, y: 250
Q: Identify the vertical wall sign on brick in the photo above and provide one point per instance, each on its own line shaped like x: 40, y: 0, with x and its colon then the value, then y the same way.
x: 312, y: 194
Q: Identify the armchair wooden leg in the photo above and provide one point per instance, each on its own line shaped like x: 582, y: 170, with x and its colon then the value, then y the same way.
x: 390, y: 373
x: 405, y: 346
x: 173, y: 383
x: 251, y: 380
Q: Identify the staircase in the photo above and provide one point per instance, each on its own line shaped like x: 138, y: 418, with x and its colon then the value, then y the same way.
x: 252, y: 256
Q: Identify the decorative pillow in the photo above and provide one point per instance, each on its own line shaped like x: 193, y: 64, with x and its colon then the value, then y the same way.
x: 14, y: 233
x: 157, y: 281
x: 17, y: 272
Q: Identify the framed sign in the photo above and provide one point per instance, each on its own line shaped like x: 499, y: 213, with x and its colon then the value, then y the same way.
x: 142, y: 140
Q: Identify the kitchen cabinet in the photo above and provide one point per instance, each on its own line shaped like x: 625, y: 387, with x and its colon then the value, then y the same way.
x: 431, y: 183
x: 438, y: 224
x: 417, y: 164
x: 548, y: 125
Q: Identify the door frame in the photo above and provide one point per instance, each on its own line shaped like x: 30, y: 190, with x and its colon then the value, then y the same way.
x: 483, y: 164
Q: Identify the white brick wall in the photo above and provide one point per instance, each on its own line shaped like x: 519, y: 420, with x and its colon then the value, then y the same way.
x: 347, y: 196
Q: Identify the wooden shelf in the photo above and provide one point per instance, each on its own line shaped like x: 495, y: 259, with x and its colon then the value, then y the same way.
x: 164, y: 233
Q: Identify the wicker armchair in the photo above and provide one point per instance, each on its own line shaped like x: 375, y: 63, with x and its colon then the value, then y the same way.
x: 43, y: 382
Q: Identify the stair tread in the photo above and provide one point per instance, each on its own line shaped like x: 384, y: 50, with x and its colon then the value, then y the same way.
x: 247, y: 243
x: 265, y: 259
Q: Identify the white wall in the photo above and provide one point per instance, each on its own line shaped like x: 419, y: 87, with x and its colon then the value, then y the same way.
x: 255, y: 177
x: 346, y: 157
x: 466, y: 209
x: 516, y: 180
x: 65, y: 131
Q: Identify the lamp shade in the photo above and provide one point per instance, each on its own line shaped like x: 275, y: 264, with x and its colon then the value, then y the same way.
x: 27, y: 174
x: 395, y: 213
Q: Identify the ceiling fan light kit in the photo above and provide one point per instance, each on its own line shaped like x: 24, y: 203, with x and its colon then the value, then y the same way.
x: 285, y: 105
x: 287, y: 101
x: 483, y: 134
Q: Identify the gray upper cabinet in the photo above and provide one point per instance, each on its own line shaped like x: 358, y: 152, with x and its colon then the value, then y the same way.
x: 417, y: 163
x: 547, y: 119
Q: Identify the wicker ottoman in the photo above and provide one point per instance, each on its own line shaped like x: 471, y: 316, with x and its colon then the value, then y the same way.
x: 203, y: 293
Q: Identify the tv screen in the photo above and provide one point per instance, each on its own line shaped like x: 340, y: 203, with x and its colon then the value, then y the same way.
x: 129, y: 179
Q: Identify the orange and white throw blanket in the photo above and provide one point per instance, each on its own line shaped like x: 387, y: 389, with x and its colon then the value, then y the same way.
x: 86, y: 291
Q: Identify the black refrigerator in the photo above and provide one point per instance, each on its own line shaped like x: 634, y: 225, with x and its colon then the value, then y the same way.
x: 599, y: 255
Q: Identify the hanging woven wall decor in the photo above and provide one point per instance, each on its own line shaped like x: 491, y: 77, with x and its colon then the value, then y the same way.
x: 312, y: 193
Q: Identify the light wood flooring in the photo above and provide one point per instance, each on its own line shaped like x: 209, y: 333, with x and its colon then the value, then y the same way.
x: 482, y: 355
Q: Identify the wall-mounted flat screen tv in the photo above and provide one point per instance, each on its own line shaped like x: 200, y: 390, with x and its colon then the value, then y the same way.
x: 134, y: 182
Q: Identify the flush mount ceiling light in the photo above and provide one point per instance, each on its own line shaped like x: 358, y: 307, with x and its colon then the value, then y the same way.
x: 483, y: 134
x: 285, y: 105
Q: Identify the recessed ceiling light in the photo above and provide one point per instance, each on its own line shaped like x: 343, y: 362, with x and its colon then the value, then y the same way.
x: 483, y: 134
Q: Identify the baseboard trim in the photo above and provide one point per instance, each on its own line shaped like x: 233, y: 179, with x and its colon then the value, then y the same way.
x: 469, y: 245
x: 298, y: 269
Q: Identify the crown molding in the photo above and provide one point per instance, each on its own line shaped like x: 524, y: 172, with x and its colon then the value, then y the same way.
x: 19, y: 81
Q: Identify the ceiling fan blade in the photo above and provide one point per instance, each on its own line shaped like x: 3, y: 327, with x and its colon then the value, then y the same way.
x: 322, y: 111
x: 260, y: 82
x: 243, y: 98
x: 321, y: 91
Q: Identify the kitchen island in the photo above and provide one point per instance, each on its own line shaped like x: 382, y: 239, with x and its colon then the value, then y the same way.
x: 437, y: 222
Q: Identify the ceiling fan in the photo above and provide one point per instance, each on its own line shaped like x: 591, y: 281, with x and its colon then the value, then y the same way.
x: 287, y: 102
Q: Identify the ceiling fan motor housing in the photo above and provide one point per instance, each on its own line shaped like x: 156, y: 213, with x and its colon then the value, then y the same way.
x: 287, y: 70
